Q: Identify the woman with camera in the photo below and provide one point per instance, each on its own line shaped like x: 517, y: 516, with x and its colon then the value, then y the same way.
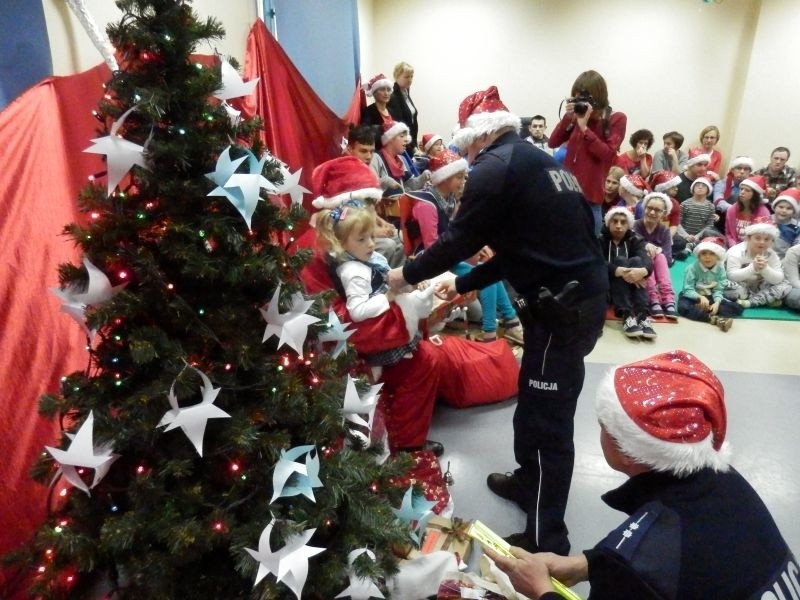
x: 593, y: 133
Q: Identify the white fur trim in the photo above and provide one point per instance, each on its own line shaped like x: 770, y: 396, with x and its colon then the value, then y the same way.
x: 663, y: 187
x: 741, y: 161
x: 753, y: 186
x: 698, y: 159
x: 712, y: 247
x: 439, y: 175
x: 489, y: 122
x: 462, y: 138
x: 659, y: 455
x: 786, y: 198
x: 393, y: 131
x: 364, y: 195
x: 618, y: 210
x: 380, y: 83
x: 431, y: 142
x: 626, y: 184
x: 661, y: 196
x: 765, y: 228
x: 704, y: 181
x: 415, y: 305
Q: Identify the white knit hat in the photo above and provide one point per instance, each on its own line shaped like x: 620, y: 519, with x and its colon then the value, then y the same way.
x: 666, y: 412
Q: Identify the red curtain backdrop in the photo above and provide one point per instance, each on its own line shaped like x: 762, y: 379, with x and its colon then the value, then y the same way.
x: 44, y: 133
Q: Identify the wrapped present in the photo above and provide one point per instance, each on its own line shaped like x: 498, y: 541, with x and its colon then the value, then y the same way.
x: 427, y: 472
x: 451, y: 535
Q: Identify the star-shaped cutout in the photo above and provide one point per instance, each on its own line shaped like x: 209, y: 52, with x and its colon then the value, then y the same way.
x: 354, y: 405
x: 292, y: 478
x: 121, y: 154
x: 290, y: 563
x: 241, y: 189
x: 291, y: 185
x: 290, y: 327
x: 232, y: 84
x: 360, y: 588
x: 193, y: 419
x: 336, y: 333
x: 82, y: 453
x: 415, y: 510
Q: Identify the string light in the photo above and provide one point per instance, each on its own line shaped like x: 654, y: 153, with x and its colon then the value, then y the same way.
x: 228, y: 366
x: 234, y: 467
x: 218, y: 526
x: 170, y: 286
x: 95, y: 215
x: 122, y: 274
x: 140, y: 470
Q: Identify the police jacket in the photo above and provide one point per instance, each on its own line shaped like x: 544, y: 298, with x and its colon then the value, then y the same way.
x: 530, y: 210
x: 704, y: 536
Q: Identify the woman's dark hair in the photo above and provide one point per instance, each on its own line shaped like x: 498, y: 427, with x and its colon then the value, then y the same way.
x: 676, y: 138
x: 755, y: 200
x: 641, y: 135
x: 593, y: 83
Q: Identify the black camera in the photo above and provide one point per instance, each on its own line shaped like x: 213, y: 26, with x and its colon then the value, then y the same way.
x: 582, y: 102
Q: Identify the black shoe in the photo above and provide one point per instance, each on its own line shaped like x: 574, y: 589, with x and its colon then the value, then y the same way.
x: 521, y: 540
x: 436, y: 447
x: 506, y: 486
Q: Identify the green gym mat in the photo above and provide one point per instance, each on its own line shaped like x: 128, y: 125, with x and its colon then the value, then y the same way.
x: 677, y: 270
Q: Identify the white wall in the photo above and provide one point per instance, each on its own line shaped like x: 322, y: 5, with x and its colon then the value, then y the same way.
x: 669, y: 64
x: 74, y: 52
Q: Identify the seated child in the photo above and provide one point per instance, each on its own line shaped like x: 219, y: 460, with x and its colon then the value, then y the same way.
x: 666, y: 182
x: 697, y: 214
x: 747, y: 209
x: 611, y: 188
x: 658, y: 244
x: 628, y: 267
x: 632, y: 189
x: 430, y: 145
x: 703, y: 286
x: 786, y: 208
x: 791, y: 269
x: 756, y: 268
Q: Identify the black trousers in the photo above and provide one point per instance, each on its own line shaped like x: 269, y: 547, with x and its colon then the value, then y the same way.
x: 550, y: 381
x: 626, y: 298
x: 690, y: 308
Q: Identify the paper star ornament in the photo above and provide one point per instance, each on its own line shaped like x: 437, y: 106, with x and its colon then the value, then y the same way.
x: 232, y: 84
x: 290, y: 327
x: 360, y: 588
x: 354, y: 406
x: 241, y: 189
x: 76, y: 298
x: 121, y: 154
x: 289, y: 564
x: 192, y: 419
x: 415, y: 510
x: 292, y: 477
x: 291, y: 185
x: 82, y: 453
x: 336, y: 333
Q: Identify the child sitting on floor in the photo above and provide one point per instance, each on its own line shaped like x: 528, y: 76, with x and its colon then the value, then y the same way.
x: 658, y: 244
x: 704, y: 284
x: 747, y: 209
x: 697, y: 214
x: 628, y: 267
x: 756, y: 268
x: 786, y: 209
x: 632, y: 189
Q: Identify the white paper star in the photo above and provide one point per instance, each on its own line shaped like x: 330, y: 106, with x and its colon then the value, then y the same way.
x: 290, y: 327
x: 83, y: 453
x: 76, y: 299
x: 291, y: 185
x: 354, y: 405
x: 232, y: 84
x: 241, y: 189
x: 193, y: 419
x: 360, y: 588
x: 121, y: 154
x: 336, y: 333
x: 289, y: 564
x: 292, y: 478
x: 415, y: 510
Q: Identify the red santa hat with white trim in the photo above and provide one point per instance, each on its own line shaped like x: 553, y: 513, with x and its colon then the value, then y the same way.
x: 342, y: 179
x: 664, y: 180
x: 711, y: 244
x: 634, y: 184
x: 762, y: 225
x: 391, y: 129
x: 429, y: 139
x: 445, y: 164
x: 705, y: 181
x: 618, y: 210
x: 666, y: 412
x: 482, y: 113
x: 376, y: 83
x: 741, y: 161
x: 757, y: 183
x: 696, y: 155
x: 790, y: 196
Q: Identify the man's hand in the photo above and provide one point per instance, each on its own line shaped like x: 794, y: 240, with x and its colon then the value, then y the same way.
x: 395, y: 279
x: 528, y: 572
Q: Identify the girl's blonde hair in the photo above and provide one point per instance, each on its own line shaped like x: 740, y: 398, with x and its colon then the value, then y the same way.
x: 336, y: 225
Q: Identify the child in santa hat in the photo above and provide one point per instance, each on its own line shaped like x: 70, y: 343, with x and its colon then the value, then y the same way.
x: 663, y: 424
x: 704, y: 285
x: 748, y: 208
x: 756, y: 268
x: 430, y: 145
x: 697, y: 214
x: 611, y: 195
x: 658, y: 243
x: 786, y: 208
x: 632, y: 189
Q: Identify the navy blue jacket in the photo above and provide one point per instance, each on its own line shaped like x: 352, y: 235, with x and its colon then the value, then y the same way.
x: 531, y: 212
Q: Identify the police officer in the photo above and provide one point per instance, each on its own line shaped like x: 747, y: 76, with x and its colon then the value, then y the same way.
x: 532, y: 214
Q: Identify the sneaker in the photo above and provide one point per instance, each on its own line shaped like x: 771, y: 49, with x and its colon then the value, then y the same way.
x: 646, y: 327
x: 631, y: 328
x: 724, y: 324
x: 656, y: 310
x: 670, y: 311
x: 743, y: 303
x: 506, y: 486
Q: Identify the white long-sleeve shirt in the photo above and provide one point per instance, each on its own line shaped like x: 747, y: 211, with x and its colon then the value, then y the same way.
x: 739, y: 266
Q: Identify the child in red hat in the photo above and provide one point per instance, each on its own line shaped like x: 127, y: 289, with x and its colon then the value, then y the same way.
x: 749, y: 207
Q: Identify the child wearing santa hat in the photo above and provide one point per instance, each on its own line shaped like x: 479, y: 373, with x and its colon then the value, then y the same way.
x: 786, y: 208
x: 748, y: 208
x: 704, y: 284
x: 658, y: 244
x: 697, y: 214
x: 431, y: 144
x: 663, y: 423
x: 755, y: 267
x: 632, y: 189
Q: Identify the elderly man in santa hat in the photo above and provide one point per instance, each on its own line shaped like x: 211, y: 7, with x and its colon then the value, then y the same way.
x: 696, y: 529
x: 532, y: 213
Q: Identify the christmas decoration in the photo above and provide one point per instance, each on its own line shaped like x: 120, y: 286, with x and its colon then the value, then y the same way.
x: 354, y: 406
x: 290, y: 327
x: 360, y: 588
x: 82, y: 453
x: 292, y: 478
x: 415, y: 511
x: 336, y: 333
x: 291, y: 185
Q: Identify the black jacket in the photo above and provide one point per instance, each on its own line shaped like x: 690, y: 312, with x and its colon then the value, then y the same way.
x: 632, y: 244
x: 400, y: 112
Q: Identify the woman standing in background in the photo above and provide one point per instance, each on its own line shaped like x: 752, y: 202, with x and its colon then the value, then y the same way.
x: 401, y: 107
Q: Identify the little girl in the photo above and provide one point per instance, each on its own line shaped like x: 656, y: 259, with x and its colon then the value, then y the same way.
x: 659, y: 247
x: 786, y: 208
x: 631, y: 189
x: 611, y: 188
x: 347, y: 234
x: 747, y: 209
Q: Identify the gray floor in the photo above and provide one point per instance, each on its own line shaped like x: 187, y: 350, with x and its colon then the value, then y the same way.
x: 763, y: 426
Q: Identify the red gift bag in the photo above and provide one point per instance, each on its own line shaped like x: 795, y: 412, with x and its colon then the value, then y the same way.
x: 473, y: 373
x: 427, y: 472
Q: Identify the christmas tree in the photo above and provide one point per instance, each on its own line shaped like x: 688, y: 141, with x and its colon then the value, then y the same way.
x: 202, y: 457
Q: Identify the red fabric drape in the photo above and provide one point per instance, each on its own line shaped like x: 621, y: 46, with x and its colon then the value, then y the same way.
x: 43, y: 133
x: 299, y: 128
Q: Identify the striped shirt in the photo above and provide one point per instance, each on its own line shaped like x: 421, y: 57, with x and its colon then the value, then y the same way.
x: 696, y: 216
